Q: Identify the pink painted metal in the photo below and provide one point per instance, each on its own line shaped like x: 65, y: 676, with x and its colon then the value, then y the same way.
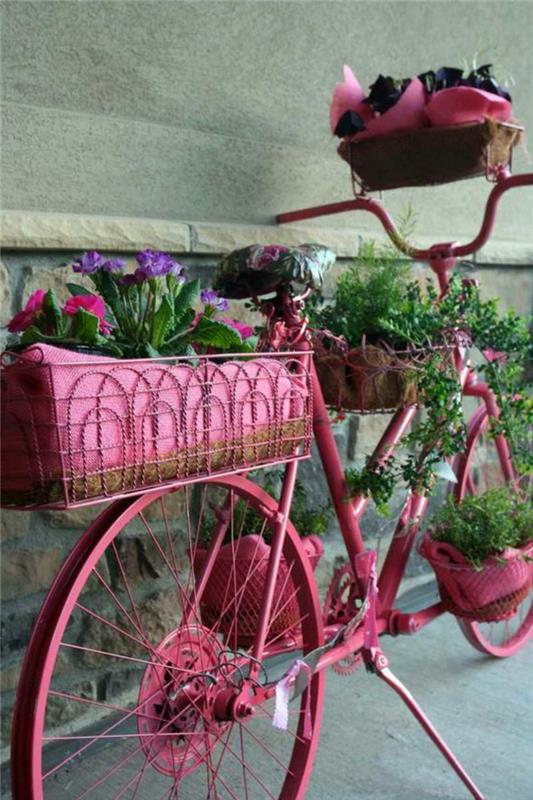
x: 174, y: 759
x: 78, y: 428
x: 229, y: 686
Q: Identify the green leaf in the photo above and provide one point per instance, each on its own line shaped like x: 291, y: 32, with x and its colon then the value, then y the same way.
x: 151, y: 352
x: 162, y: 322
x: 85, y: 327
x: 33, y: 334
x: 53, y: 313
x: 186, y: 299
x: 210, y: 333
x: 75, y: 289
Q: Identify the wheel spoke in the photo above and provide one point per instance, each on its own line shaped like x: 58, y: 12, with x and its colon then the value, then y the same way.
x: 161, y: 721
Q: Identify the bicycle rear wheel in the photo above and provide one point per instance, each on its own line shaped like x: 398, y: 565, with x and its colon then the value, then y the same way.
x: 479, y: 469
x: 126, y: 690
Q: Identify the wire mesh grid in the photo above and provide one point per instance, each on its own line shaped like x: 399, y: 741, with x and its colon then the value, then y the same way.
x: 84, y: 429
x: 374, y: 378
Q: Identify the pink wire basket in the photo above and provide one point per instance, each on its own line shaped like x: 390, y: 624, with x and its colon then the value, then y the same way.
x: 489, y: 594
x: 79, y: 429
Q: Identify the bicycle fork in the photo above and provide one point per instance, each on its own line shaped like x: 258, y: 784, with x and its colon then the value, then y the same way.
x: 377, y: 662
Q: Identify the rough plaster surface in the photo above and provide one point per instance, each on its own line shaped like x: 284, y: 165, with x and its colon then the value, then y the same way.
x: 218, y: 111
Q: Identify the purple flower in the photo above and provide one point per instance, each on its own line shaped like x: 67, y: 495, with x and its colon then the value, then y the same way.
x: 153, y: 264
x: 129, y: 279
x: 176, y: 270
x: 113, y: 265
x: 89, y: 262
x: 210, y: 298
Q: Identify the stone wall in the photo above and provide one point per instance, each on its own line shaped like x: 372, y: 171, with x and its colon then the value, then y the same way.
x: 35, y: 544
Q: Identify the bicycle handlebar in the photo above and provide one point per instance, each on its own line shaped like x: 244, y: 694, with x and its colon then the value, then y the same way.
x: 447, y: 250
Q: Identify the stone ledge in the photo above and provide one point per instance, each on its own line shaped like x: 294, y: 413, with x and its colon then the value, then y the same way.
x: 24, y: 230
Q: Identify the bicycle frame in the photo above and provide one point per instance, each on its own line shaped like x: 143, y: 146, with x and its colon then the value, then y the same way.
x: 285, y: 320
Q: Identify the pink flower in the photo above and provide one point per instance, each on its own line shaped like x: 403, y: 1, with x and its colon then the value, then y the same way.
x: 244, y: 331
x: 91, y: 303
x: 32, y: 309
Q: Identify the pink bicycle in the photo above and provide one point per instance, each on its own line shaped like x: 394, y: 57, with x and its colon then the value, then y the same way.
x: 198, y: 632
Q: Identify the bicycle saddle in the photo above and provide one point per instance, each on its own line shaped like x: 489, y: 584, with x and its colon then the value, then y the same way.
x: 260, y: 269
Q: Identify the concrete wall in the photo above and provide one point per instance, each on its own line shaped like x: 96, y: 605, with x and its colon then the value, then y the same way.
x: 219, y: 110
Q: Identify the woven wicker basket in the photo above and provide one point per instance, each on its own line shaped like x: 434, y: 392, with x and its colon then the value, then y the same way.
x: 431, y: 155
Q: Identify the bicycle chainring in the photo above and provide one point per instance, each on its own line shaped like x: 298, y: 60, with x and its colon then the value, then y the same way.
x: 340, y: 606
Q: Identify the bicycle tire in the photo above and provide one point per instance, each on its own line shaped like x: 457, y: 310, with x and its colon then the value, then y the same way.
x: 246, y: 749
x: 505, y: 638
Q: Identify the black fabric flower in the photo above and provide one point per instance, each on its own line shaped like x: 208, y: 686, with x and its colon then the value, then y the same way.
x: 448, y: 77
x: 481, y: 78
x: 349, y: 123
x: 385, y: 92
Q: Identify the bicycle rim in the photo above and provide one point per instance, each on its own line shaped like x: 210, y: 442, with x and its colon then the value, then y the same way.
x: 120, y: 692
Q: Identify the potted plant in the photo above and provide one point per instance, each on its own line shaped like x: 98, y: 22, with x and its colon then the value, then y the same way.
x: 359, y: 366
x: 243, y: 563
x: 408, y: 338
x: 435, y: 127
x: 77, y: 425
x: 482, y: 553
x: 143, y: 314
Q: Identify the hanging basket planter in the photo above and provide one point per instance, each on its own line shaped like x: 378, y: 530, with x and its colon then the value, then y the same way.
x: 233, y: 597
x: 489, y: 594
x: 431, y: 155
x: 370, y: 378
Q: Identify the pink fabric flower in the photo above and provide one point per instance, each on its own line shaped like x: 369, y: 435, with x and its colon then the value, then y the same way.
x: 347, y: 96
x: 24, y: 318
x: 91, y: 303
x: 244, y: 331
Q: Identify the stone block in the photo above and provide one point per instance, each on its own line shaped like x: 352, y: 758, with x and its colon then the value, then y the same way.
x: 47, y: 278
x: 26, y: 571
x: 16, y: 626
x: 34, y: 230
x: 14, y: 524
x: 76, y: 518
x: 159, y: 614
x: 60, y: 711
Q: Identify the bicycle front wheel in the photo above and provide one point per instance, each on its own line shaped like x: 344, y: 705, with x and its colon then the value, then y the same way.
x: 479, y: 469
x: 127, y: 684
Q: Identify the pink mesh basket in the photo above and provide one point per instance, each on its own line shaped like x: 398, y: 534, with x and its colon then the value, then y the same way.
x: 489, y: 594
x: 232, y: 598
x: 78, y: 429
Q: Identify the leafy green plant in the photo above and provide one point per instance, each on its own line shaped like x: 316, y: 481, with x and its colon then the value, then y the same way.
x: 484, y: 525
x: 366, y: 293
x: 414, y: 321
x: 148, y: 313
x: 307, y: 517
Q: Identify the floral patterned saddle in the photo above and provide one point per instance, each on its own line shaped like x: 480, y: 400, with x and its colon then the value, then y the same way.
x: 260, y: 269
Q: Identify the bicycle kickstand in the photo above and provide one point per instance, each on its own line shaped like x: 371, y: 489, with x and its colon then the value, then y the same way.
x: 377, y: 662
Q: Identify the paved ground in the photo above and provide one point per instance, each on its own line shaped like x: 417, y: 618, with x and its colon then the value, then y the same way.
x: 372, y: 749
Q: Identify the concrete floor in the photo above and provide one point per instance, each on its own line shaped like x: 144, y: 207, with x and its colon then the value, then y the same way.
x: 371, y: 747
